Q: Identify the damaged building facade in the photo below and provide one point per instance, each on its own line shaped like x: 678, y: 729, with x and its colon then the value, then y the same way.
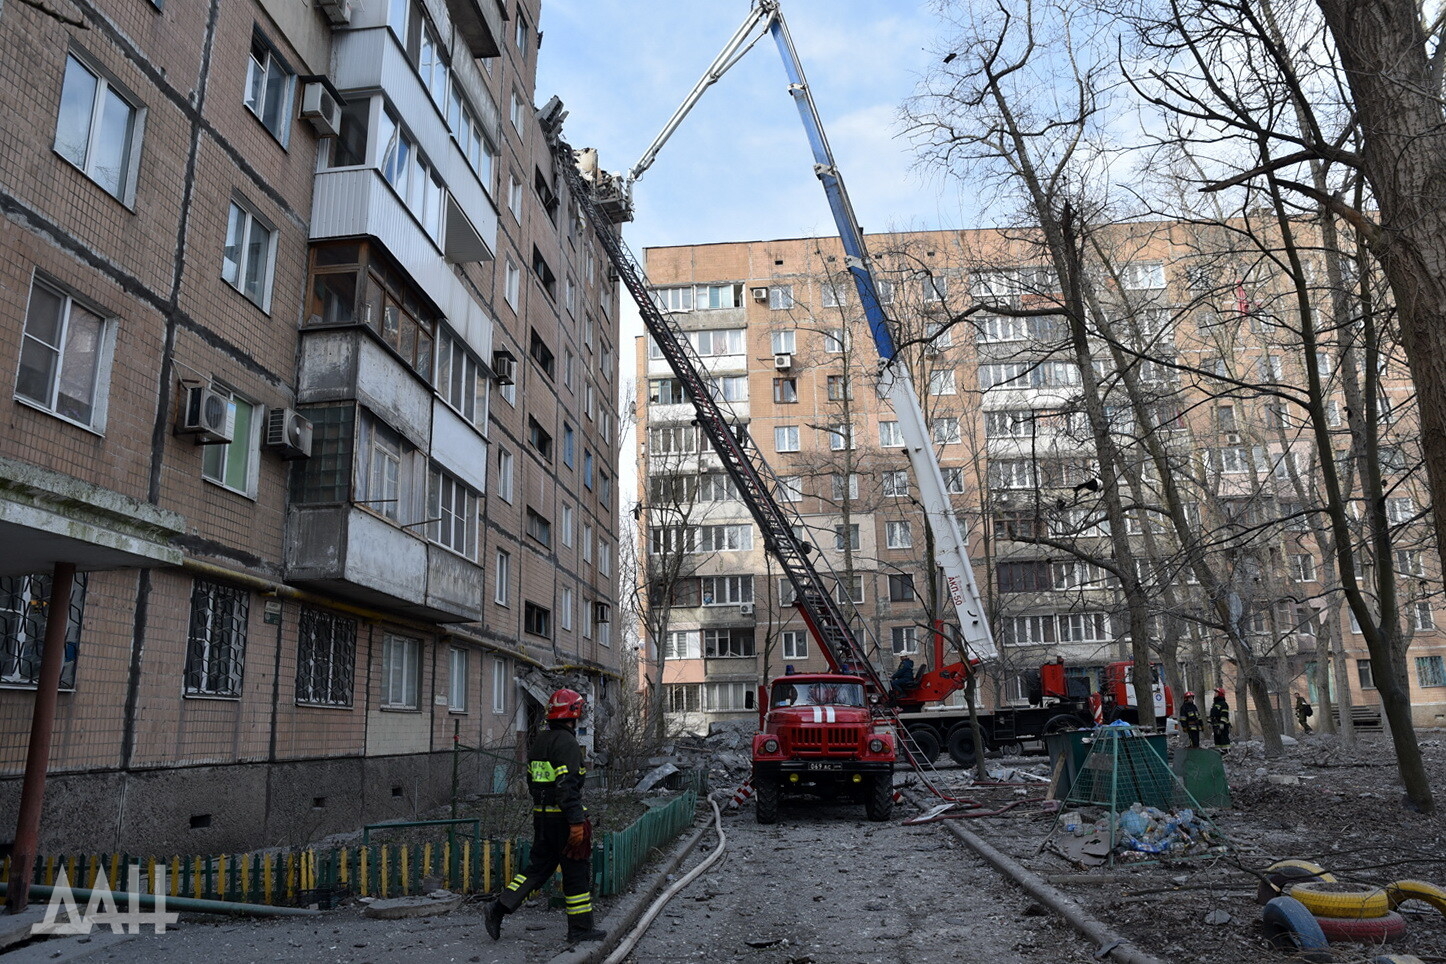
x: 778, y: 327
x: 314, y: 373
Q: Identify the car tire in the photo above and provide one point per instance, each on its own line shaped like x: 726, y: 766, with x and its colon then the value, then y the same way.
x: 961, y: 746
x: 1341, y: 899
x: 1403, y: 890
x: 1366, y: 930
x: 1279, y: 878
x: 765, y: 800
x: 1290, y: 927
x: 879, y: 804
x: 927, y: 742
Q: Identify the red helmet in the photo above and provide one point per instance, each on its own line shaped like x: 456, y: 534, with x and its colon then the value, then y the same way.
x: 1219, y: 691
x: 565, y: 705
x: 1189, y: 694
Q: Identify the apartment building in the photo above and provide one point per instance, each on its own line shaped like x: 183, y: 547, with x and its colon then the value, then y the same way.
x: 313, y: 387
x: 778, y: 327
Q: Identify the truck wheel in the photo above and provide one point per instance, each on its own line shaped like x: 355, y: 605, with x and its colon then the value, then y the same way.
x: 961, y: 746
x: 927, y: 743
x: 880, y: 803
x: 766, y: 800
x: 1062, y: 723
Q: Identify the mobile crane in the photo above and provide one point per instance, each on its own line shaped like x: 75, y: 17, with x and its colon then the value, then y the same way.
x: 823, y: 733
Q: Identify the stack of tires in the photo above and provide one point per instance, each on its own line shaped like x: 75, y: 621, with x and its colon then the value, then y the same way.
x: 1307, y: 908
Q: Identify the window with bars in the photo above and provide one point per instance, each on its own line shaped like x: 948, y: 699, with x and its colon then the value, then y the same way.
x: 216, y: 645
x: 325, y: 658
x: 23, y: 604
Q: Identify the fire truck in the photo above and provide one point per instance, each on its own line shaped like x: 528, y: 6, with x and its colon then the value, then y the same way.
x: 847, y: 735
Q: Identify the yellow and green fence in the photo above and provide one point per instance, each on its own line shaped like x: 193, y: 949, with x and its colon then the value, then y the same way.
x: 468, y: 865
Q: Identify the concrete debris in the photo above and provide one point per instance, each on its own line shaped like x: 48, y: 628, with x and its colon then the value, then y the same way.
x: 1283, y: 779
x: 436, y: 903
x: 655, y: 776
x: 1218, y: 917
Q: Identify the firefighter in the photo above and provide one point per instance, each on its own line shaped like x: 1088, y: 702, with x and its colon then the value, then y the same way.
x: 903, y: 678
x: 561, y: 832
x: 1303, y: 712
x: 1190, y: 720
x: 1220, y: 720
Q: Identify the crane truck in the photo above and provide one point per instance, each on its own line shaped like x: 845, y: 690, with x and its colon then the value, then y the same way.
x: 837, y: 732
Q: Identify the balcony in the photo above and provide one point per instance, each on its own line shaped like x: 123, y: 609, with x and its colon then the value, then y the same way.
x: 347, y: 364
x: 479, y: 22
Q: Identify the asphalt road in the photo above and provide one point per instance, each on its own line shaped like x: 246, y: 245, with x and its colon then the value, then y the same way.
x: 825, y: 886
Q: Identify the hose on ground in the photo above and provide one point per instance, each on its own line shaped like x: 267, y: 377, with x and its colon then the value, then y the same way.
x: 623, y: 949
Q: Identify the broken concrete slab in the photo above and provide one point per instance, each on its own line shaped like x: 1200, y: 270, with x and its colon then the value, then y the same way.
x: 434, y: 904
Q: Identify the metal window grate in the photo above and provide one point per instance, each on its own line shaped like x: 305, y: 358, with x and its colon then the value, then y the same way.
x: 23, y: 604
x: 216, y: 647
x: 325, y: 658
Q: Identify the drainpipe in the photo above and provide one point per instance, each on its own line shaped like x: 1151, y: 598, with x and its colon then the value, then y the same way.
x: 42, y: 726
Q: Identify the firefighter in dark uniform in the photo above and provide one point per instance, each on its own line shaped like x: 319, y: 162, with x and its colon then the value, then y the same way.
x: 1220, y: 720
x: 561, y: 833
x: 1190, y: 720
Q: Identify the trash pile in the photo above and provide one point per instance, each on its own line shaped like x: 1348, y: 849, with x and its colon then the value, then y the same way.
x: 1145, y: 830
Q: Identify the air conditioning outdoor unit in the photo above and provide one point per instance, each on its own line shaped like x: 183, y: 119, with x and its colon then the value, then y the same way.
x: 504, y: 367
x: 760, y: 294
x: 745, y: 609
x: 783, y: 361
x: 288, y: 433
x: 337, y: 11
x: 1232, y: 439
x: 206, y: 414
x: 319, y: 107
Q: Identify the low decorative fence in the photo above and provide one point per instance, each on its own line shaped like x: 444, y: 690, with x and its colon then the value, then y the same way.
x: 468, y: 865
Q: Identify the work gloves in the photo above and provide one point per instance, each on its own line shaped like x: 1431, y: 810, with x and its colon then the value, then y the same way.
x: 579, y: 841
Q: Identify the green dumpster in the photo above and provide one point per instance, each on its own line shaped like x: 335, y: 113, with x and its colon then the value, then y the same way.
x: 1202, y: 771
x: 1074, y: 746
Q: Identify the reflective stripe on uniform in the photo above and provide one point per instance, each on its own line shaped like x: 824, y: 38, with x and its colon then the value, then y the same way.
x: 547, y: 810
x: 516, y: 882
x: 579, y: 903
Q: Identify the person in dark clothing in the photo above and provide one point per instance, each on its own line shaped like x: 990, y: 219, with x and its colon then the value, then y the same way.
x: 1303, y: 712
x: 903, y: 679
x: 561, y: 832
x: 1220, y: 720
x: 1190, y: 720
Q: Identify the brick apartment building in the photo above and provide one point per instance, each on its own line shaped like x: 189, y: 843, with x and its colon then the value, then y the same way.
x: 313, y: 375
x: 778, y: 327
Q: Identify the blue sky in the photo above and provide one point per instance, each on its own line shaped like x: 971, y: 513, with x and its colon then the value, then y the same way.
x: 739, y: 168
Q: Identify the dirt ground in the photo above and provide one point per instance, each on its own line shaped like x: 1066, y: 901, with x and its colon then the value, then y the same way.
x: 1346, y: 813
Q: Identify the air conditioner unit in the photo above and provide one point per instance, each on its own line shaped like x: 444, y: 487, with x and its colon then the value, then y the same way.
x: 337, y: 11
x: 504, y: 367
x: 288, y: 433
x: 206, y: 414
x: 783, y: 361
x: 760, y: 294
x: 1232, y: 439
x: 745, y: 609
x: 319, y: 107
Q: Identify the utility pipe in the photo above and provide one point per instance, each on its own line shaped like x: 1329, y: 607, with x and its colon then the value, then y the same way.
x: 195, y: 904
x: 42, y: 727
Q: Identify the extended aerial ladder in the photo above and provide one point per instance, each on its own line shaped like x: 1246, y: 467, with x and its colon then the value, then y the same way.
x: 604, y: 199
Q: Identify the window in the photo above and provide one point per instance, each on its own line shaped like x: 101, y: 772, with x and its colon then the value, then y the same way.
x: 730, y: 388
x: 897, y: 535
x: 234, y: 465
x: 250, y: 255
x: 1027, y: 630
x: 727, y: 697
x: 23, y: 602
x: 722, y: 341
x: 504, y: 475
x: 1026, y: 576
x: 515, y: 112
x: 411, y: 175
x: 64, y: 357
x: 834, y: 340
x: 666, y: 391
x: 845, y: 487
x: 460, y: 381
x: 501, y: 683
x: 785, y: 438
x: 904, y: 639
x: 684, y: 697
x: 850, y: 590
x: 512, y: 283
x: 1364, y: 674
x: 833, y: 295
x: 890, y: 435
x: 935, y: 288
x: 98, y: 129
x: 1012, y: 474
x: 941, y: 382
x: 1144, y: 276
x: 602, y: 622
x: 536, y: 619
x: 1422, y: 619
x: 1431, y: 670
x: 840, y: 436
x: 780, y: 297
x: 1302, y: 568
x: 400, y: 658
x: 587, y: 543
x: 514, y: 196
x: 896, y: 484
x: 839, y: 388
x: 795, y: 644
x: 539, y: 438
x: 502, y: 577
x: 901, y: 587
x: 1084, y: 628
x: 719, y: 296
x: 1408, y: 563
x: 785, y: 391
x: 674, y: 299
x: 587, y: 468
x: 604, y: 558
x: 726, y: 590
x: 728, y: 643
x: 268, y: 89
x: 846, y: 536
x: 954, y: 480
x: 521, y: 34
x: 683, y: 644
x: 946, y: 431
x: 216, y: 644
x: 457, y: 660
x: 1400, y: 510
x: 783, y: 342
x: 538, y: 527
x: 325, y: 658
x: 790, y: 488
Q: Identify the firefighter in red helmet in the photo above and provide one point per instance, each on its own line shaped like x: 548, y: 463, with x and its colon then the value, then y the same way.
x: 561, y: 832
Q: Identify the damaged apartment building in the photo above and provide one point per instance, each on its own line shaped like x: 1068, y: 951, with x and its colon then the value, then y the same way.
x: 313, y: 370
